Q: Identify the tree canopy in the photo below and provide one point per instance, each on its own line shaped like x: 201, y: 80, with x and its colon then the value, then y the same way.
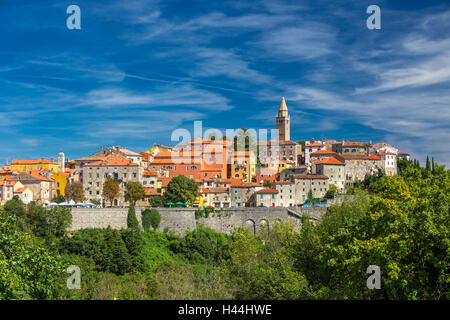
x: 181, y: 188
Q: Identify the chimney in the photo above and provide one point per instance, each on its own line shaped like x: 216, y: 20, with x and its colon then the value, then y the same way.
x: 101, y: 148
x: 312, y: 140
x: 42, y: 159
x: 52, y: 159
x: 118, y: 148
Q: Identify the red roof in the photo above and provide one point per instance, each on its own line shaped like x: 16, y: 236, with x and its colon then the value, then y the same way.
x: 267, y: 191
x: 315, y: 144
x: 331, y: 160
x: 323, y: 152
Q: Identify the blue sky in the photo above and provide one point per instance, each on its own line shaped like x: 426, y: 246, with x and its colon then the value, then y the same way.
x: 139, y: 69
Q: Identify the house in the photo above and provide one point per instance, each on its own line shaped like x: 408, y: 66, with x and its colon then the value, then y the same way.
x: 316, y: 183
x: 349, y: 147
x: 217, y: 197
x: 117, y: 166
x: 243, y: 166
x: 266, y: 198
x: 311, y: 147
x: 30, y: 165
x: 41, y: 187
x: 334, y: 169
x: 404, y: 155
x: 286, y: 193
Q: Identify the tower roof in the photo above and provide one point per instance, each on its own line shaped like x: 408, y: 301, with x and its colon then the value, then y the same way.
x: 283, y: 106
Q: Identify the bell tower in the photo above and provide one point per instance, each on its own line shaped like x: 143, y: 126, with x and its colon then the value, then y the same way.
x: 283, y: 122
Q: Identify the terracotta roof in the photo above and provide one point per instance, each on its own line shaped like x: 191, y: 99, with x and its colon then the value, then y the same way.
x: 112, y: 161
x: 267, y: 191
x: 89, y: 159
x: 284, y: 142
x: 355, y: 144
x: 164, y: 181
x: 331, y: 160
x: 283, y: 182
x: 41, y: 161
x: 322, y: 152
x: 215, y: 190
x: 375, y: 157
x: 150, y: 173
x: 404, y: 153
x: 315, y: 144
x: 20, y: 190
x: 151, y: 192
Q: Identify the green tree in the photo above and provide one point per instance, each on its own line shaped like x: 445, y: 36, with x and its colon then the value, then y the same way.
x: 74, y: 191
x: 49, y: 224
x: 134, y: 244
x: 116, y: 258
x: 58, y: 199
x: 135, y: 192
x: 156, y: 201
x: 181, y: 188
x: 428, y: 164
x: 150, y: 218
x: 310, y: 197
x: 27, y: 270
x: 262, y: 268
x: 15, y: 207
x: 332, y: 190
x: 132, y: 221
x: 268, y: 184
x: 111, y: 189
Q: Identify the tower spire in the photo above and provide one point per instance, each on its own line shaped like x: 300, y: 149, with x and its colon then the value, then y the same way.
x: 283, y: 122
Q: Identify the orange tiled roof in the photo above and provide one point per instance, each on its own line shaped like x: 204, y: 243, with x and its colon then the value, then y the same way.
x: 20, y: 190
x: 25, y: 162
x: 150, y: 173
x: 215, y: 190
x: 164, y: 181
x: 331, y: 160
x: 323, y: 152
x: 283, y: 182
x: 315, y: 144
x: 151, y: 192
x: 267, y: 191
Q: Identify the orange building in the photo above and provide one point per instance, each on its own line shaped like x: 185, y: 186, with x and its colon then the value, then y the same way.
x: 198, y: 159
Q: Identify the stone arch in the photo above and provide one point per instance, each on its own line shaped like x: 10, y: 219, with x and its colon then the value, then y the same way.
x: 250, y: 224
x: 263, y: 224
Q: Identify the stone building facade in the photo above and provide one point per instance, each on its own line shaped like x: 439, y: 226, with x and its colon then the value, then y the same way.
x: 119, y: 168
x: 317, y: 183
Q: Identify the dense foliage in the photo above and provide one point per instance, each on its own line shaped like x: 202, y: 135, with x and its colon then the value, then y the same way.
x: 398, y: 223
x: 181, y: 188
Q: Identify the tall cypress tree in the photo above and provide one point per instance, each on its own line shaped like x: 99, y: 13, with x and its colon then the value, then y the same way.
x: 428, y: 164
x: 432, y: 164
x: 132, y: 221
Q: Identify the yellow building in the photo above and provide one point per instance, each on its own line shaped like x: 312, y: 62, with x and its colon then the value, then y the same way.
x: 280, y: 165
x: 243, y: 166
x: 29, y: 165
x: 60, y: 179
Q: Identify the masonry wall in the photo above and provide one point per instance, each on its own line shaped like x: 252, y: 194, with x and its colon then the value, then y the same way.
x: 180, y: 220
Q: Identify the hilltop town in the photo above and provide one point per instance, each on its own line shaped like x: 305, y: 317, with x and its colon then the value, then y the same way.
x: 281, y: 173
